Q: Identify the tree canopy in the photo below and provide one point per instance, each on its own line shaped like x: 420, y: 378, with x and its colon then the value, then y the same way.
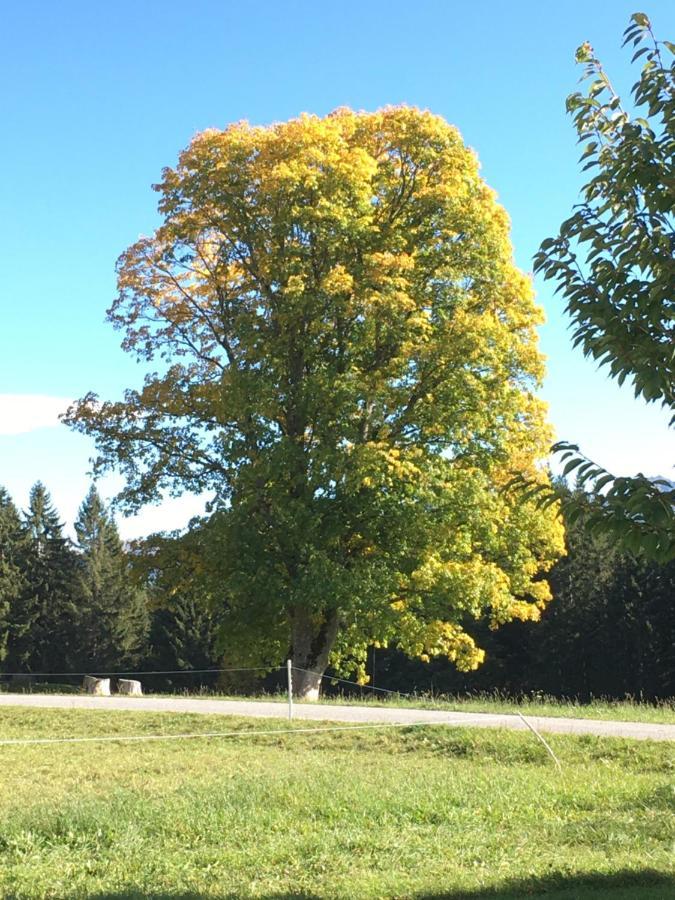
x: 613, y: 263
x: 348, y: 361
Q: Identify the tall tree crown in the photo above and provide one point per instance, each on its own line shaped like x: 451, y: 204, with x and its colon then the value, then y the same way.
x: 94, y: 527
x: 348, y: 360
x: 320, y: 283
x: 42, y: 519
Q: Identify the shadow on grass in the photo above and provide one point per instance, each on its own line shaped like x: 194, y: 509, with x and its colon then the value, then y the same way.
x: 628, y: 885
x: 647, y: 884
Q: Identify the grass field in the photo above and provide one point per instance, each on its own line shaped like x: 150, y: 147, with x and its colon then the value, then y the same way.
x: 410, y: 812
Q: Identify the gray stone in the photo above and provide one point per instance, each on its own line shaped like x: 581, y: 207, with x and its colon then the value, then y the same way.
x: 130, y: 687
x: 98, y: 686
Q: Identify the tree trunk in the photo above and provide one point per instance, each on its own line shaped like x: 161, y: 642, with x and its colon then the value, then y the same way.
x: 310, y: 649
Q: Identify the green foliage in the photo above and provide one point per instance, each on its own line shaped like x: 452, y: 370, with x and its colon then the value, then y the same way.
x: 613, y: 264
x: 636, y: 511
x: 608, y: 633
x: 614, y: 615
x: 12, y: 536
x: 348, y: 362
x: 44, y: 617
x: 186, y: 621
x: 613, y: 258
x: 112, y: 619
x: 65, y: 608
x: 185, y: 635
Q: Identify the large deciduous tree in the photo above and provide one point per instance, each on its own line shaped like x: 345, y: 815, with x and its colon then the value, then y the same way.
x: 347, y: 359
x: 613, y: 264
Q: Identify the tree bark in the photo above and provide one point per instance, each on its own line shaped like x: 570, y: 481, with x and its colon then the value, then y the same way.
x: 311, y: 644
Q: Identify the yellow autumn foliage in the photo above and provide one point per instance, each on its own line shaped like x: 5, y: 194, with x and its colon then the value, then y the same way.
x: 347, y: 359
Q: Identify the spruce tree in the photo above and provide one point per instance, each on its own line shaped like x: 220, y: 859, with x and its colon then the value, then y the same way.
x: 188, y: 615
x: 43, y: 630
x: 185, y: 635
x: 12, y: 538
x: 112, y: 615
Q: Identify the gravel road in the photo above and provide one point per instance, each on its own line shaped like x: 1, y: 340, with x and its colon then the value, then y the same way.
x: 326, y: 713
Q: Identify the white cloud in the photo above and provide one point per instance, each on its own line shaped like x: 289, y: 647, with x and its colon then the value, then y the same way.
x: 172, y: 513
x: 21, y: 413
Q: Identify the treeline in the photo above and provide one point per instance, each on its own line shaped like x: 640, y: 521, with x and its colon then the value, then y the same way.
x: 66, y: 606
x: 93, y: 604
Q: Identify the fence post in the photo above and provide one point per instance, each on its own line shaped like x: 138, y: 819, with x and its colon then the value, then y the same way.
x: 289, y: 673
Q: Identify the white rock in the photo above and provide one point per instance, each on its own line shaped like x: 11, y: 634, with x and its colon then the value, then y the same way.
x: 127, y: 686
x: 98, y: 686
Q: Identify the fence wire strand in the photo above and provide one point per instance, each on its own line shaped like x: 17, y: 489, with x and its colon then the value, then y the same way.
x: 99, y: 672
x: 366, y: 687
x: 208, y: 734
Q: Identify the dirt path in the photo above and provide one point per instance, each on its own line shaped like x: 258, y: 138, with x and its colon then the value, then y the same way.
x: 324, y: 712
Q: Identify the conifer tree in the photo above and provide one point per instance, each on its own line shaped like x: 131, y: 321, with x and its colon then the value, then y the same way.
x: 611, y: 628
x: 187, y: 618
x: 185, y: 635
x: 12, y: 536
x: 112, y: 615
x: 44, y: 624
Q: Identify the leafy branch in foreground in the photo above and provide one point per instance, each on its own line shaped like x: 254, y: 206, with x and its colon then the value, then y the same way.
x: 613, y: 263
x: 639, y: 512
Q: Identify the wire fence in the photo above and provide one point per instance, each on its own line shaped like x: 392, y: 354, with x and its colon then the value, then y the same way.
x: 364, y: 687
x: 272, y: 732
x: 168, y: 680
x: 105, y: 674
x: 30, y: 680
x: 289, y: 668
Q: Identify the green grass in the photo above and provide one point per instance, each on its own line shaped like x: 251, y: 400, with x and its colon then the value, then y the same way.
x: 412, y: 812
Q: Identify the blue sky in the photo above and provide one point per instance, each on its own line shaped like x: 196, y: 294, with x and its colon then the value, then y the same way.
x: 97, y: 98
